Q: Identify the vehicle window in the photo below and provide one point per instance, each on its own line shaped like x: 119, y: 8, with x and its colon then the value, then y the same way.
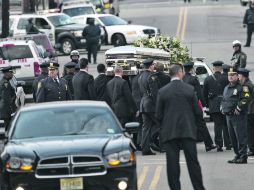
x: 16, y: 52
x: 41, y: 23
x: 112, y: 20
x: 65, y: 121
x: 22, y: 23
x: 96, y: 2
x: 79, y: 11
x: 61, y: 20
x: 201, y: 73
x: 79, y: 20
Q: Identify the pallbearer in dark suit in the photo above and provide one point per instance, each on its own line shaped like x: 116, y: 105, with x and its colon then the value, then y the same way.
x: 83, y: 83
x: 177, y: 110
x: 100, y: 83
x: 213, y: 92
x: 120, y: 98
x: 52, y: 88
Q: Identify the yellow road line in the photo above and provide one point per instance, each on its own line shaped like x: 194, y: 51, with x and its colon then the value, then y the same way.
x: 184, y: 23
x: 156, y: 178
x: 179, y: 25
x: 142, y: 176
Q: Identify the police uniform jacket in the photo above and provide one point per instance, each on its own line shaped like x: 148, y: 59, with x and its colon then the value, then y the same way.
x: 235, y: 96
x: 249, y: 16
x: 213, y: 91
x: 239, y: 60
x: 163, y: 79
x: 68, y: 77
x: 35, y: 83
x: 148, y: 100
x: 248, y: 86
x: 136, y: 94
x: 49, y: 90
x: 121, y: 100
x: 100, y: 86
x: 193, y: 81
x: 7, y: 99
x: 83, y: 85
x: 177, y: 110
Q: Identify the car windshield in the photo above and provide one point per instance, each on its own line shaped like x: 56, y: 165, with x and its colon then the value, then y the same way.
x: 65, y: 121
x: 12, y: 52
x: 79, y: 11
x: 112, y: 20
x: 61, y: 20
x: 96, y: 2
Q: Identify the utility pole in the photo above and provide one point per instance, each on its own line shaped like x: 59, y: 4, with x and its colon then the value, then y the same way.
x: 5, y: 18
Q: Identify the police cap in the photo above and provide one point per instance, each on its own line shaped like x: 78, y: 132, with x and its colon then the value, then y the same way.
x: 243, y: 71
x: 232, y: 71
x: 189, y: 64
x: 226, y: 67
x: 45, y: 64
x: 53, y: 65
x: 70, y: 65
x: 6, y: 69
x: 217, y: 63
x: 148, y: 62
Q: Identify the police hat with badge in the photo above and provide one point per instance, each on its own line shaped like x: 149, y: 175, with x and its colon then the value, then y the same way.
x: 243, y: 71
x: 70, y: 65
x: 148, y: 62
x: 53, y: 66
x: 232, y: 71
x: 217, y: 63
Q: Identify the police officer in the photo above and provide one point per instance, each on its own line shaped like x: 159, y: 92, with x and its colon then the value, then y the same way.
x: 213, y: 92
x: 192, y: 80
x: 7, y: 96
x: 235, y: 106
x: 147, y: 107
x: 239, y: 58
x: 248, y: 21
x: 243, y: 75
x: 74, y: 55
x: 43, y: 75
x: 70, y: 71
x: 92, y: 35
x: 52, y: 88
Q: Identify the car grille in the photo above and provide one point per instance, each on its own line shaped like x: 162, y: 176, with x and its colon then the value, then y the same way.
x: 70, y: 166
x: 149, y: 32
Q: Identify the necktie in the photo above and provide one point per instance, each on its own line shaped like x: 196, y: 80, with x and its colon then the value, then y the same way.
x: 56, y: 81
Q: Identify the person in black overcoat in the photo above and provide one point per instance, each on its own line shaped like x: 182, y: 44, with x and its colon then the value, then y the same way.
x: 177, y: 110
x: 120, y: 98
x: 83, y: 83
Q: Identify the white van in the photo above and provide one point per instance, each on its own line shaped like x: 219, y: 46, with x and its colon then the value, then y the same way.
x: 24, y: 57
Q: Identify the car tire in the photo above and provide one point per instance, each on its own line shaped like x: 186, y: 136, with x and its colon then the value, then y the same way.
x: 118, y: 40
x: 67, y: 45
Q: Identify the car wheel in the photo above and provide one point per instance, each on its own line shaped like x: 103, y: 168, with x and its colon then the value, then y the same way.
x: 67, y: 46
x: 118, y: 40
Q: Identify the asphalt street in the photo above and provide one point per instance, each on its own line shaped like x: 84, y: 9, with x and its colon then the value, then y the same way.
x: 208, y: 28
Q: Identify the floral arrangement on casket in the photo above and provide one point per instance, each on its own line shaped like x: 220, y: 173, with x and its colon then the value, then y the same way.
x: 178, y: 53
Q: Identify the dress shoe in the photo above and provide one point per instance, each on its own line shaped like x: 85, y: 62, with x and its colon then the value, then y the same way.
x: 148, y: 153
x: 219, y: 149
x: 209, y: 148
x: 241, y: 161
x: 233, y: 161
x: 250, y: 153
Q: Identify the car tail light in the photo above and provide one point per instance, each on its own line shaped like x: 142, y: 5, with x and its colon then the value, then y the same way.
x: 36, y: 69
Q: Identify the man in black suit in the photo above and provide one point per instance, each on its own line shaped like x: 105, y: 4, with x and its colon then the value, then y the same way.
x: 70, y: 71
x: 83, y: 83
x: 177, y: 110
x: 120, y: 98
x: 52, y: 88
x: 100, y: 83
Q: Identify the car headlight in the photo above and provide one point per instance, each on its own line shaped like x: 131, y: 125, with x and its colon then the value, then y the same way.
x: 16, y: 163
x: 77, y: 33
x: 121, y: 157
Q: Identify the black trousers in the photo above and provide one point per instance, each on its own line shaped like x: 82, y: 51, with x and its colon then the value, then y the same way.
x: 149, y: 130
x: 203, y: 130
x: 92, y: 49
x: 238, y: 134
x: 173, y: 168
x: 220, y: 130
x: 251, y: 132
x: 6, y: 123
x: 250, y: 30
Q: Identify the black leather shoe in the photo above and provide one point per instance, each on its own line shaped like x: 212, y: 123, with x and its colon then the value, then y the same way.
x: 241, y: 161
x: 148, y: 153
x: 233, y: 161
x: 250, y: 153
x: 209, y: 148
x: 219, y: 149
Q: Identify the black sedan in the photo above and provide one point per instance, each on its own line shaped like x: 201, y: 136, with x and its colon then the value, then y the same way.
x: 68, y: 145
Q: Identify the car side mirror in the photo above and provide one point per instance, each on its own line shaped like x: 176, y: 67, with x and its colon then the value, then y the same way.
x: 132, y: 127
x: 21, y: 83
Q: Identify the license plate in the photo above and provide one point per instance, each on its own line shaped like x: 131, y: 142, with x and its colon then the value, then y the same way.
x: 71, y: 183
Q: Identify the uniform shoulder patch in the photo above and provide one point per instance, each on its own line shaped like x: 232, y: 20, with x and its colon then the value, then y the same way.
x: 246, y: 89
